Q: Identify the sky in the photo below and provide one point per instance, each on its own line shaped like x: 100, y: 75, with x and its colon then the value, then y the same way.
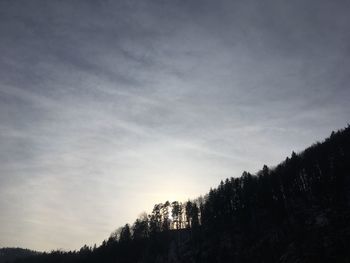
x: 108, y: 107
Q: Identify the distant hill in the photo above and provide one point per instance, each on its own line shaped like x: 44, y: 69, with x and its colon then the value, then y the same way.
x: 10, y: 254
x: 298, y: 211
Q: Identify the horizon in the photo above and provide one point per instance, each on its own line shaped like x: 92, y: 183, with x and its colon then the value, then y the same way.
x: 183, y: 201
x: 108, y: 108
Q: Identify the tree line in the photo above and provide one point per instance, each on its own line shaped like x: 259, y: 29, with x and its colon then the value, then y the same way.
x: 296, y: 211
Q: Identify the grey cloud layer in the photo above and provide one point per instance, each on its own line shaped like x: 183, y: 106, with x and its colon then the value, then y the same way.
x: 108, y: 107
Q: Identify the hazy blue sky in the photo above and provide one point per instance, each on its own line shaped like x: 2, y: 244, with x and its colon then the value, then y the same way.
x: 107, y: 107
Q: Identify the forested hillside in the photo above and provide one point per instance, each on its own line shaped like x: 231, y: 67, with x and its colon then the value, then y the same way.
x: 297, y: 211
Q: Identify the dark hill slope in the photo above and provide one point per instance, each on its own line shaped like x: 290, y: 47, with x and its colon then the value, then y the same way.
x: 295, y: 212
x: 10, y: 254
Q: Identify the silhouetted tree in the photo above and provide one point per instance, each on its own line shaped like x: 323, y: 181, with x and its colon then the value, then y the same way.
x: 125, y: 234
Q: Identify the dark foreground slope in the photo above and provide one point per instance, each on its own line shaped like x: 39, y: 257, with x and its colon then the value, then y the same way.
x: 10, y: 254
x: 295, y: 212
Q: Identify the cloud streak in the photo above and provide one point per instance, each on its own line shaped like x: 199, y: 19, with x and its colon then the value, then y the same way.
x: 107, y: 108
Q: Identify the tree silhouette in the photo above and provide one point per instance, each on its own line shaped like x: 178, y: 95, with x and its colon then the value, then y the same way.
x: 298, y: 211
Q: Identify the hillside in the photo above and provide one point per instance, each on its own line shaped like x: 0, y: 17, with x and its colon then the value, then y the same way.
x: 10, y: 254
x: 297, y: 211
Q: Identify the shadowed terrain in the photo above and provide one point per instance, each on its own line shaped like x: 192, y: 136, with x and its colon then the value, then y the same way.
x: 10, y: 254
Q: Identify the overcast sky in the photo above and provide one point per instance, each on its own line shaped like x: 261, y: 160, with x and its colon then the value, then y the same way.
x: 108, y: 107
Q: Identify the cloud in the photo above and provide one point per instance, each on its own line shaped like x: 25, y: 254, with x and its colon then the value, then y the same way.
x: 109, y: 107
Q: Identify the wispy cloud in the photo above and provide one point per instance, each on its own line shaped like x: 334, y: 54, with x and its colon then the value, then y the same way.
x: 107, y: 108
